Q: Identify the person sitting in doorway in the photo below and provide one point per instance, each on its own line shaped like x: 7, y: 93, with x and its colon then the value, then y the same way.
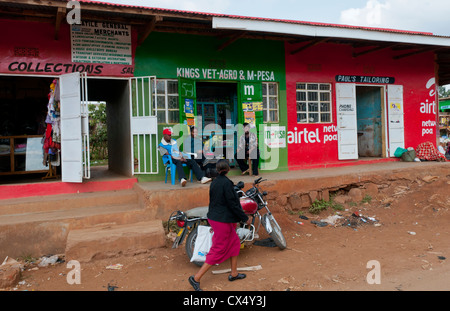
x: 194, y: 145
x: 169, y: 150
x: 248, y: 149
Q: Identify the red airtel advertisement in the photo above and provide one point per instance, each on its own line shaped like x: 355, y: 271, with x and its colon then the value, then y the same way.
x: 97, y: 48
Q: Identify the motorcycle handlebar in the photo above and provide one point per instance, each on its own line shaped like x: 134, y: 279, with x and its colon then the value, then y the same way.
x: 259, y: 180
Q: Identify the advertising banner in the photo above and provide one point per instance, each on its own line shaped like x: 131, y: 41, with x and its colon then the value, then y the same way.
x: 275, y: 136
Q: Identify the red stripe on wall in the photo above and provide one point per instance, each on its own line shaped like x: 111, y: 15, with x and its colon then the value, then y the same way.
x: 55, y: 188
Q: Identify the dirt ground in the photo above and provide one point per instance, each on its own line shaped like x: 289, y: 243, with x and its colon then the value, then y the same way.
x: 410, y: 241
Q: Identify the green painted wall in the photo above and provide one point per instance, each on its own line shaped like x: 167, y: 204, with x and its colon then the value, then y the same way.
x: 173, y: 56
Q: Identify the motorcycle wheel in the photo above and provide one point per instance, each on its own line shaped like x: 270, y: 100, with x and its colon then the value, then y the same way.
x: 190, y: 244
x: 276, y: 233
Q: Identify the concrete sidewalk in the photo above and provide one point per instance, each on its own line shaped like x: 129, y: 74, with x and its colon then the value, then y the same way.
x: 162, y: 199
x: 329, y: 172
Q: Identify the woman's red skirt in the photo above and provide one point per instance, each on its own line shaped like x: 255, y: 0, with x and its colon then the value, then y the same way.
x: 225, y: 242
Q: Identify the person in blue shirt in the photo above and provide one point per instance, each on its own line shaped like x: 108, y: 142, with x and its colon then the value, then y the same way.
x: 169, y: 151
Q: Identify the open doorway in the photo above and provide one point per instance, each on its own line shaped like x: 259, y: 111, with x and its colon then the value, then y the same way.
x: 24, y: 102
x: 23, y: 106
x: 115, y: 95
x: 370, y: 121
x: 217, y: 110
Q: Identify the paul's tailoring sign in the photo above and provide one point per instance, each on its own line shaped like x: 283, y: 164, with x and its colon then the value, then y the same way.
x: 365, y: 79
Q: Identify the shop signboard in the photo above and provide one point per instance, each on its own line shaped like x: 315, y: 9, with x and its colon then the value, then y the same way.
x: 101, y: 43
x: 364, y: 79
x: 444, y: 105
x: 275, y: 136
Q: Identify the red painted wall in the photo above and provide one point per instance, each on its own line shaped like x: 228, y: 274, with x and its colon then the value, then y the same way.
x: 30, y: 48
x: 321, y: 63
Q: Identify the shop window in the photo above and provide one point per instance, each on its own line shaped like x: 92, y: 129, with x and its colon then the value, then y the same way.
x: 270, y: 102
x: 313, y: 103
x: 167, y: 106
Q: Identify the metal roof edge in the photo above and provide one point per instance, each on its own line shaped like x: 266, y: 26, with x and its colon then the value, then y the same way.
x: 328, y: 30
x: 286, y: 21
x: 284, y: 26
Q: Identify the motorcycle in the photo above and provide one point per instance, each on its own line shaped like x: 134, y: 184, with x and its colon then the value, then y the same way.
x: 252, y: 202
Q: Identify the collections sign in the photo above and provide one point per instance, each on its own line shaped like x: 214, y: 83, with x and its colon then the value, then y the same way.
x: 365, y: 79
x: 101, y: 42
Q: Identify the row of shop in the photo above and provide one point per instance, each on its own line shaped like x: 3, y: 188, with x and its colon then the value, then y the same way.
x: 311, y: 107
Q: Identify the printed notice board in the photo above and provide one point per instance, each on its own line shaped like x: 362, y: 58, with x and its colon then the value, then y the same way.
x: 101, y: 42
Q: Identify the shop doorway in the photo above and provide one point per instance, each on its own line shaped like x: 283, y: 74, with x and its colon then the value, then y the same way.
x: 369, y: 107
x: 114, y: 93
x: 362, y: 118
x: 217, y: 115
x: 23, y: 106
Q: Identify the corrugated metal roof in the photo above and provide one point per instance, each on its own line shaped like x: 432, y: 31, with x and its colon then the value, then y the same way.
x: 387, y: 30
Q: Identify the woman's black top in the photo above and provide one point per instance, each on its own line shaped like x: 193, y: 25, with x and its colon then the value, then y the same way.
x: 224, y: 205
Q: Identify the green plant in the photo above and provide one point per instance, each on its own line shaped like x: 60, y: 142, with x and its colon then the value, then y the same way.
x: 367, y: 199
x: 318, y: 206
x: 292, y: 212
x: 98, y: 133
x: 27, y: 259
x: 321, y: 205
x: 337, y: 206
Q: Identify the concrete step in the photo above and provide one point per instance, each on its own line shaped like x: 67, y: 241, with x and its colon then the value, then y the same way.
x: 67, y: 202
x: 72, y: 216
x: 98, y: 243
x: 42, y: 233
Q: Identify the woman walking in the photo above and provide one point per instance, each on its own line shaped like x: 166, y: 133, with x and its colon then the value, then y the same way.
x: 224, y: 212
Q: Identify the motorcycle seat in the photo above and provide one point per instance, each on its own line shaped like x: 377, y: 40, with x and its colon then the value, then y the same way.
x: 197, y: 212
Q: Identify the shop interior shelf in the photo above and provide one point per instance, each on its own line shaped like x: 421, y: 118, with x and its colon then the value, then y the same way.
x: 17, y: 159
